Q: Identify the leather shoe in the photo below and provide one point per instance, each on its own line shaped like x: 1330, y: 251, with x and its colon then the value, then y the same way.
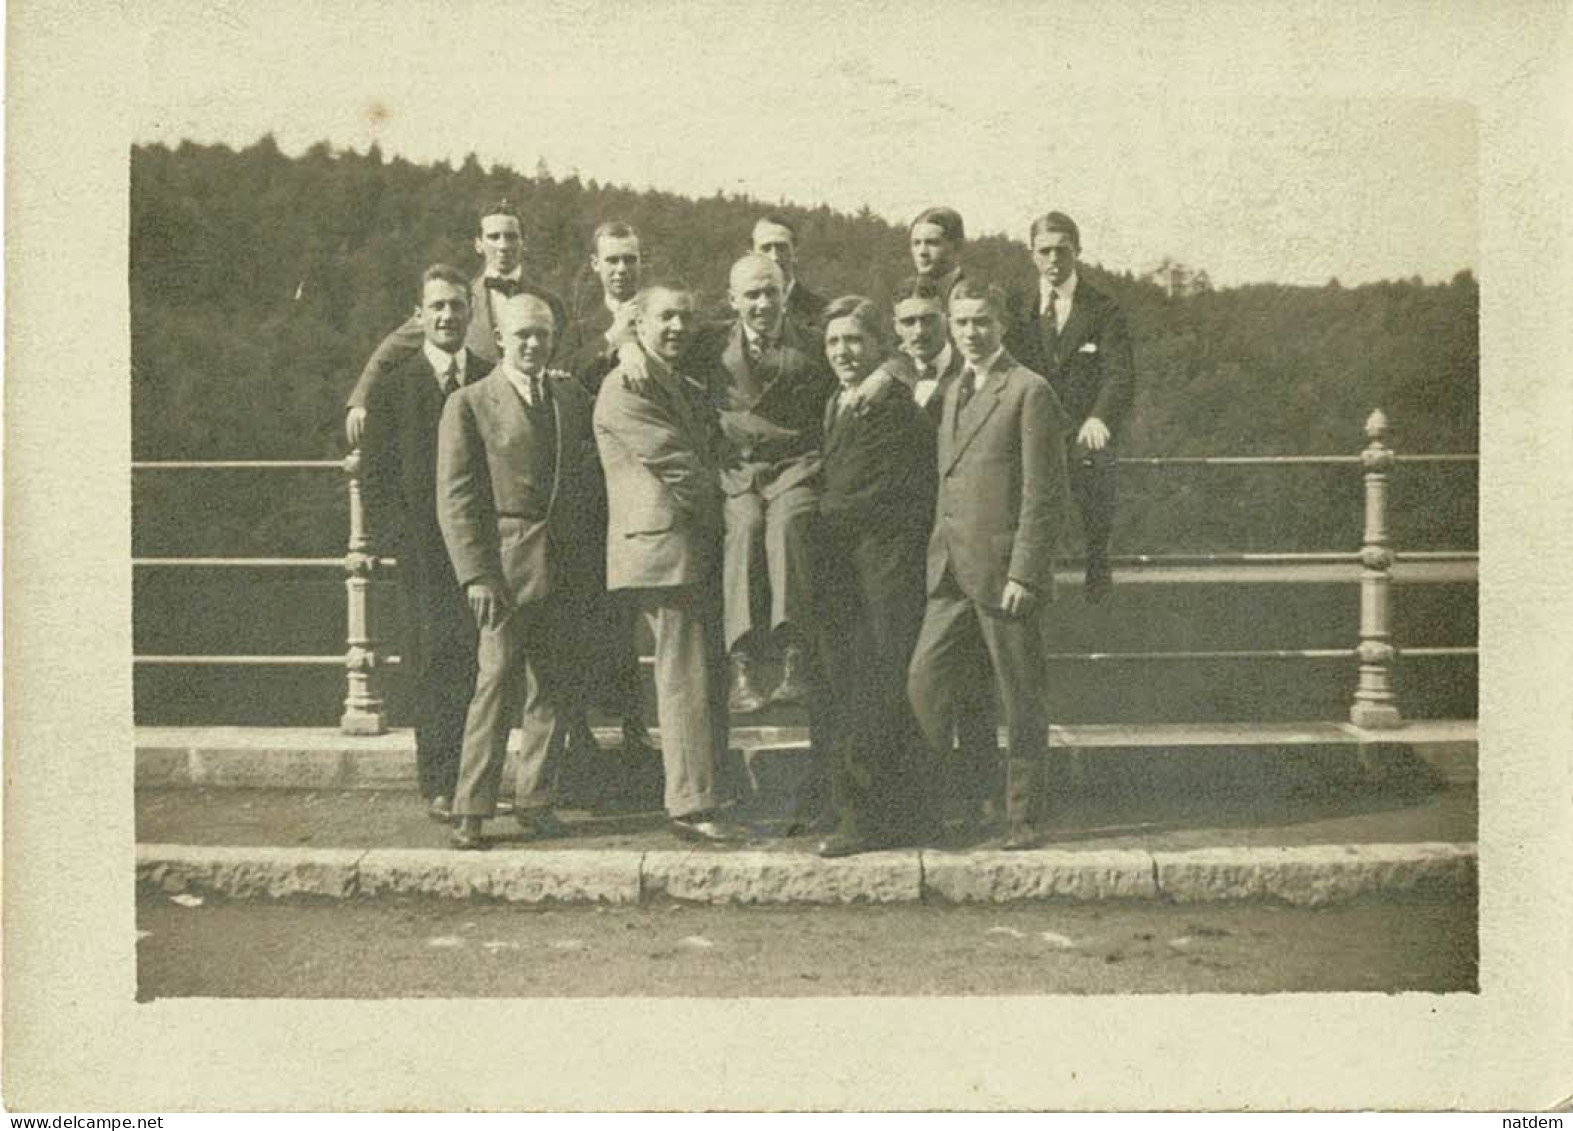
x: 706, y: 827
x: 1020, y: 837
x: 539, y: 824
x: 848, y: 844
x: 440, y: 809
x: 744, y: 698
x: 793, y: 687
x: 467, y: 835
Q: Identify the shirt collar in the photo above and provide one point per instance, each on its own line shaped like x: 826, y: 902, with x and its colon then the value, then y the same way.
x: 516, y: 275
x: 440, y: 360
x: 1066, y: 292
x: 940, y: 361
x: 986, y: 367
x: 612, y: 304
x: 520, y: 382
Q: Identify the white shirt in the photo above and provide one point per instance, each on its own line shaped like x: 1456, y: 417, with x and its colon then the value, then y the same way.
x: 440, y: 361
x: 521, y: 382
x: 983, y: 369
x: 1064, y: 295
x: 924, y: 388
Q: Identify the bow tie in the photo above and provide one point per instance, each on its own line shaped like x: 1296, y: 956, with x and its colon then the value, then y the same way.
x: 507, y: 287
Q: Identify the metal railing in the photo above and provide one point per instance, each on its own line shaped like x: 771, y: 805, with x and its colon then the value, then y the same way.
x: 1374, y: 705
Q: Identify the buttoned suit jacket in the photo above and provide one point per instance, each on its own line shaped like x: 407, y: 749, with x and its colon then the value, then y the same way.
x: 658, y: 454
x: 1091, y: 367
x: 480, y: 338
x: 399, y: 463
x: 1003, y: 495
x: 488, y: 502
x: 772, y: 414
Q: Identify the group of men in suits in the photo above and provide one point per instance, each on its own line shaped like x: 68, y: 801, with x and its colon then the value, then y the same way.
x: 549, y: 484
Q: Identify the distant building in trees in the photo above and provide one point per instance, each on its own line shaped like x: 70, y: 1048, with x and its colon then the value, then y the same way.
x: 1177, y: 280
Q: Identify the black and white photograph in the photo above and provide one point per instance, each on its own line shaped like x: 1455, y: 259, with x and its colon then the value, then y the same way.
x: 914, y: 520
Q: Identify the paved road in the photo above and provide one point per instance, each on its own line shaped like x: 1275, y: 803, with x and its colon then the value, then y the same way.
x: 433, y: 948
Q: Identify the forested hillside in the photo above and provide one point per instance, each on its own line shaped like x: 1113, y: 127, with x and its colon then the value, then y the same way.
x: 260, y: 282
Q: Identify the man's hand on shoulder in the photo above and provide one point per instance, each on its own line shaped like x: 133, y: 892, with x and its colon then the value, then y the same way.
x: 635, y: 368
x: 896, y: 367
x: 486, y: 602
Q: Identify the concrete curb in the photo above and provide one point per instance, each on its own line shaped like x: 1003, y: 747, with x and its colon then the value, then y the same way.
x: 1307, y: 876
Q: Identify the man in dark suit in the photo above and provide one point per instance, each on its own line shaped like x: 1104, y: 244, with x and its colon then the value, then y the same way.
x: 500, y: 244
x: 656, y: 434
x: 399, y: 478
x: 1077, y: 337
x: 512, y: 457
x: 874, y: 511
x: 776, y: 236
x: 769, y: 383
x: 998, y: 516
x: 611, y: 661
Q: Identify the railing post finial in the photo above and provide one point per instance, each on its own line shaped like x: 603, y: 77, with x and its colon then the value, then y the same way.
x: 1375, y: 702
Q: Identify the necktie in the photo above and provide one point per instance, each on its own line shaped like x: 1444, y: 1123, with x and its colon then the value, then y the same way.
x: 964, y: 391
x: 505, y: 287
x: 535, y: 391
x: 1051, y: 317
x: 450, y: 379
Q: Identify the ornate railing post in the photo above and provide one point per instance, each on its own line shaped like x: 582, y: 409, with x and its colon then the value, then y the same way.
x: 1375, y: 703
x: 363, y: 699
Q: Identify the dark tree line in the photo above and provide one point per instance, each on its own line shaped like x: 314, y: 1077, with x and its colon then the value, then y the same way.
x: 260, y: 282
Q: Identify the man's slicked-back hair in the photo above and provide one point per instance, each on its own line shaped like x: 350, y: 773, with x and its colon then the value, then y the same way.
x: 669, y: 283
x: 611, y: 230
x: 1055, y: 222
x: 863, y: 312
x: 947, y: 220
x: 916, y: 286
x: 498, y: 206
x: 979, y: 289
x: 779, y: 220
x: 445, y: 273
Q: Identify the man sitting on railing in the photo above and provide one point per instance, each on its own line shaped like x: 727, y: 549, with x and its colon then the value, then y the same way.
x: 500, y: 244
x: 399, y: 476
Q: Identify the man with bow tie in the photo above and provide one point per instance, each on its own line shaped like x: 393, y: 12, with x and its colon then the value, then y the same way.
x: 998, y: 517
x: 500, y: 244
x: 513, y: 454
x: 1077, y: 337
x: 399, y: 477
x: 769, y: 382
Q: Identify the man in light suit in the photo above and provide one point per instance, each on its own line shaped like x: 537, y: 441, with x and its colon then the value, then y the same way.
x: 399, y: 477
x: 770, y: 383
x: 776, y: 236
x: 998, y: 516
x: 512, y: 456
x: 500, y: 244
x: 656, y: 434
x: 1077, y: 337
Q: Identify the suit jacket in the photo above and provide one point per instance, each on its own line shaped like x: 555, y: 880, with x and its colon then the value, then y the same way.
x: 488, y: 501
x: 584, y: 351
x: 935, y: 406
x: 771, y: 414
x: 480, y: 339
x: 399, y: 461
x: 1003, y: 493
x: 805, y: 305
x: 658, y: 454
x: 878, y: 466
x: 1090, y: 366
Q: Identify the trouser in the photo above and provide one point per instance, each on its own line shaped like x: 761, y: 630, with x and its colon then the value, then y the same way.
x: 608, y: 665
x: 869, y: 614
x: 767, y: 538
x: 440, y: 662
x: 1092, y: 486
x: 690, y: 691
x: 960, y: 639
x: 519, y: 678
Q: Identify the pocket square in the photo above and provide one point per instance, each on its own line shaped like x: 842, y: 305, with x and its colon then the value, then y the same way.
x: 1088, y: 347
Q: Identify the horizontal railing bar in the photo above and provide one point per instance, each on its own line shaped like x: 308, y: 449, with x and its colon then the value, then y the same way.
x: 1130, y: 461
x: 1057, y: 657
x: 1267, y: 557
x: 237, y: 465
x: 255, y: 661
